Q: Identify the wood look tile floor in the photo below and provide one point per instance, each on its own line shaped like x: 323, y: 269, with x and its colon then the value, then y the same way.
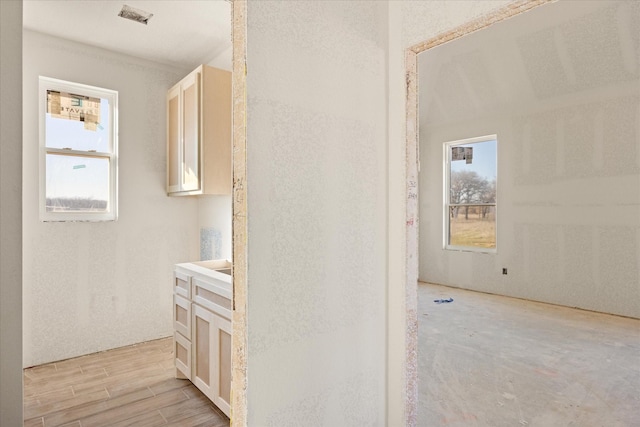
x: 128, y: 386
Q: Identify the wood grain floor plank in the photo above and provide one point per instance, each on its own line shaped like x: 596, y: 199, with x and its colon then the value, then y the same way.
x: 211, y: 422
x: 126, y: 368
x: 129, y: 386
x: 88, y: 410
x: 129, y: 410
x: 199, y: 420
x: 49, y: 397
x: 126, y: 382
x: 40, y: 371
x: 149, y: 419
x: 34, y: 422
x: 44, y: 386
x: 63, y: 404
x: 53, y: 375
x: 149, y: 381
x: 193, y: 407
x: 168, y: 384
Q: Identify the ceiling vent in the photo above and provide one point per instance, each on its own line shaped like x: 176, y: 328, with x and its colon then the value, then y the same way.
x: 134, y: 14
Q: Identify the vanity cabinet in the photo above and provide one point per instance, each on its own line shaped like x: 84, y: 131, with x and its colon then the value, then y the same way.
x: 199, y: 133
x: 202, y: 329
x: 211, y: 371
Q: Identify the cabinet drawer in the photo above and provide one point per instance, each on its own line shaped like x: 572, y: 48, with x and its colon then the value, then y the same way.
x: 182, y: 316
x: 182, y: 352
x: 215, y: 297
x: 182, y: 284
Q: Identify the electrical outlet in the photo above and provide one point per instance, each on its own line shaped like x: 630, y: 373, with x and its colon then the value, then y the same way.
x: 504, y: 271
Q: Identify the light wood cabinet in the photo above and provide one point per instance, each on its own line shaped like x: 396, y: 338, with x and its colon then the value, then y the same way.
x: 182, y: 352
x: 211, y: 371
x: 202, y: 331
x: 199, y: 133
x: 182, y: 316
x: 182, y: 284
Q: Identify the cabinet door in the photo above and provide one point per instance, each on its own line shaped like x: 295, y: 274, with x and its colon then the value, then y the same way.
x: 191, y: 132
x: 223, y: 371
x: 211, y: 368
x: 182, y: 351
x: 174, y: 143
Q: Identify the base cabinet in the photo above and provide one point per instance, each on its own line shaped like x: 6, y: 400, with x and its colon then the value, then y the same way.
x: 202, y: 336
x: 212, y: 357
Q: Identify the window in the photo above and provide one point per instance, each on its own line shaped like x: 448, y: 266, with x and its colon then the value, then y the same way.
x: 470, y: 194
x: 78, y: 152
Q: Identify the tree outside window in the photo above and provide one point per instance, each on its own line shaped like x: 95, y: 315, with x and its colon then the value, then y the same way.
x: 470, y: 191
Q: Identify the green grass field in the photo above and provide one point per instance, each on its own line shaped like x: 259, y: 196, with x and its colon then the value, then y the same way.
x: 474, y: 232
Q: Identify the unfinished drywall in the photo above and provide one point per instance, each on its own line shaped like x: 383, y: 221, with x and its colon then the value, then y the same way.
x: 10, y: 214
x: 316, y: 175
x: 214, y: 219
x: 94, y: 286
x: 560, y: 87
x: 222, y: 60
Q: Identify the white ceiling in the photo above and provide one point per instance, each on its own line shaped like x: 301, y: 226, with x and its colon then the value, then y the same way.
x: 183, y: 33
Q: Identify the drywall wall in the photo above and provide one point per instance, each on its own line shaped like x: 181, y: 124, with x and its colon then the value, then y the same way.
x: 316, y: 177
x: 214, y: 219
x: 422, y: 20
x: 560, y: 87
x: 222, y: 60
x: 95, y: 286
x: 10, y: 214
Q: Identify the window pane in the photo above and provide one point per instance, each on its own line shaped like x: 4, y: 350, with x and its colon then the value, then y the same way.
x: 472, y: 181
x: 473, y: 172
x: 473, y: 226
x: 77, y: 122
x: 77, y: 183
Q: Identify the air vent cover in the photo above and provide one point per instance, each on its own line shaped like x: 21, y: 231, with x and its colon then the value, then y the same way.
x: 134, y: 14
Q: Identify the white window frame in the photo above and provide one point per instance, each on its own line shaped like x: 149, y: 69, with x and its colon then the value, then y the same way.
x: 446, y: 195
x: 47, y: 83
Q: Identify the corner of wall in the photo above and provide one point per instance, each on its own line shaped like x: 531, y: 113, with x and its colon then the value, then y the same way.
x: 11, y: 213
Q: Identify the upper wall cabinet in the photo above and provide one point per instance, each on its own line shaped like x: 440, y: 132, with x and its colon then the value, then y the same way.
x: 199, y: 133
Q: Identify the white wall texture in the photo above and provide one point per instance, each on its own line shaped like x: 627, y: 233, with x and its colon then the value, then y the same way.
x: 563, y: 97
x: 94, y: 286
x: 10, y: 214
x: 316, y: 143
x: 422, y: 20
x: 222, y: 60
x: 214, y: 220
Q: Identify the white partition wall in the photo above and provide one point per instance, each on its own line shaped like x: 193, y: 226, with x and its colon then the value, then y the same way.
x: 316, y: 174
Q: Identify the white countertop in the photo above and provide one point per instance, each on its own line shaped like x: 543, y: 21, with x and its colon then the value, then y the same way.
x: 219, y: 269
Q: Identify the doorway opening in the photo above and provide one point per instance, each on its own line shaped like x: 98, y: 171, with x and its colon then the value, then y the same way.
x: 412, y: 179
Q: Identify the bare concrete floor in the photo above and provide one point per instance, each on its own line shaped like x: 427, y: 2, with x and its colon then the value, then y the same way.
x: 487, y: 360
